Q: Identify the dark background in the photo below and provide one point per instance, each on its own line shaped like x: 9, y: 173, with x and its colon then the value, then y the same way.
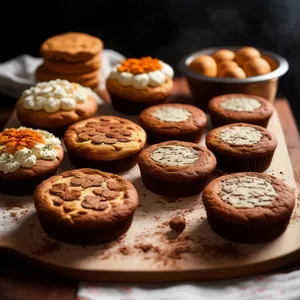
x: 164, y: 29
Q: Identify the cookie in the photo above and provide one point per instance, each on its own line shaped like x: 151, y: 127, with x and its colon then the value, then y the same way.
x: 71, y: 47
x: 42, y: 74
x: 85, y: 206
x: 74, y: 68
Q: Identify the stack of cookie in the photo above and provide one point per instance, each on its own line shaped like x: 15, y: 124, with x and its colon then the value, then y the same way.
x: 72, y: 56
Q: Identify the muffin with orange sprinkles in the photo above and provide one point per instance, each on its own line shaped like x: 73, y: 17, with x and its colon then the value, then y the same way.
x: 136, y: 84
x: 27, y: 157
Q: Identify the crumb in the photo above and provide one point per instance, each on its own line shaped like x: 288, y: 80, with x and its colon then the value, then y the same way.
x: 144, y: 247
x: 124, y: 250
x: 177, y: 223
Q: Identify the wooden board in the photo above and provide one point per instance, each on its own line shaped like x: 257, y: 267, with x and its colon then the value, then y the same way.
x: 150, y: 252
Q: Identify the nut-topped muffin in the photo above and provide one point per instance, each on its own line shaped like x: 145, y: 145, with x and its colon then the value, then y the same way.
x: 107, y: 143
x: 166, y: 122
x: 85, y: 206
x: 242, y: 147
x: 27, y: 157
x: 138, y: 83
x: 176, y: 168
x: 248, y: 207
x: 54, y: 105
x: 233, y: 108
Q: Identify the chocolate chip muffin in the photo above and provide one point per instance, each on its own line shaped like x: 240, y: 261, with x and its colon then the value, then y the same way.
x: 248, y: 207
x: 85, y: 206
x: 27, y: 157
x: 176, y: 168
x: 242, y: 147
x: 233, y: 108
x: 107, y: 143
x: 165, y: 122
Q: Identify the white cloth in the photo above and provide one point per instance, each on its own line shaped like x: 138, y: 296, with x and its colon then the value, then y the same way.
x: 17, y: 75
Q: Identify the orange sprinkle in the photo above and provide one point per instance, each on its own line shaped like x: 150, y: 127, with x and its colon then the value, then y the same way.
x: 15, y: 140
x: 138, y: 66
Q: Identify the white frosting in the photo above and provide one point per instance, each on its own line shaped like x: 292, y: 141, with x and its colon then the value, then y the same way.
x: 8, y: 163
x: 241, y: 104
x: 54, y: 95
x: 171, y: 114
x: 141, y: 81
x: 240, y: 135
x: 247, y: 192
x: 172, y: 155
x: 27, y: 158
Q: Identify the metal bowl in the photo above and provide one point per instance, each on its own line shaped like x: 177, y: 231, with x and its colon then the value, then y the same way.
x: 203, y: 88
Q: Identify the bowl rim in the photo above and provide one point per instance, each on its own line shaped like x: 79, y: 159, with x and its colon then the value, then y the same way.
x: 283, y: 66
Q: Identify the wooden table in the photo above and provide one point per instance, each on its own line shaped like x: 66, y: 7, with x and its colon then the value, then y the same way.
x: 22, y: 281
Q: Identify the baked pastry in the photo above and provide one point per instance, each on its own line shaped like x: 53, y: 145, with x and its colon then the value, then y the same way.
x: 222, y: 55
x: 166, y: 122
x: 242, y: 147
x: 55, y: 105
x: 85, y: 206
x: 246, y: 53
x: 248, y: 207
x: 175, y: 168
x: 107, y: 143
x: 138, y: 83
x: 71, y: 47
x: 74, y: 68
x: 27, y: 157
x: 233, y: 108
x: 205, y: 65
x: 256, y: 66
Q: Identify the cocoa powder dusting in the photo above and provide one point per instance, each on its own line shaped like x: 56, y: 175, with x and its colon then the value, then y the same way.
x: 47, y: 247
x: 124, y: 250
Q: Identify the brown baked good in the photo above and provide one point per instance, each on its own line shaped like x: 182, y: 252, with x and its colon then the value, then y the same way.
x: 242, y: 147
x: 107, y: 143
x: 71, y: 47
x: 85, y: 206
x: 176, y: 168
x: 73, y: 67
x: 27, y: 157
x: 245, y: 53
x: 138, y: 83
x: 233, y: 108
x: 256, y: 66
x: 42, y: 74
x: 166, y: 122
x: 223, y: 55
x: 248, y: 207
x: 205, y: 65
x: 233, y: 72
x: 226, y: 64
x: 55, y: 105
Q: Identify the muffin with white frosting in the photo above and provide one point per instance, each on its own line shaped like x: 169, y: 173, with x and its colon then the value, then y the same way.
x: 242, y: 147
x: 165, y: 122
x: 54, y: 105
x: 233, y: 108
x: 136, y: 84
x: 176, y: 168
x: 27, y: 157
x: 248, y: 207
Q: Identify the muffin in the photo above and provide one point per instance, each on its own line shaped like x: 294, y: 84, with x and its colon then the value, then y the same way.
x: 85, y: 206
x: 242, y: 147
x: 27, y: 157
x: 176, y: 168
x: 138, y: 83
x: 248, y: 207
x: 54, y: 105
x: 166, y: 122
x: 107, y: 143
x: 233, y: 108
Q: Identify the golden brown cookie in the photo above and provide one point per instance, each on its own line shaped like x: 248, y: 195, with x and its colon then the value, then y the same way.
x: 71, y: 47
x: 74, y: 68
x: 42, y: 74
x: 107, y: 143
x: 85, y: 206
